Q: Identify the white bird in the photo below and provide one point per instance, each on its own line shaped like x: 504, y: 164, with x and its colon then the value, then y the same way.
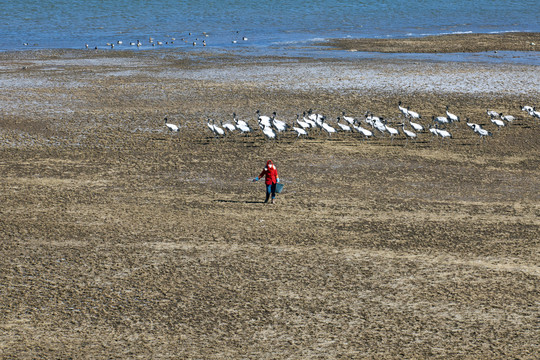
x: 343, y: 126
x: 377, y: 124
x: 440, y: 120
x: 535, y: 113
x: 413, y: 114
x: 481, y: 132
x: 268, y: 132
x: 348, y: 119
x: 443, y: 133
x: 217, y: 130
x: 392, y: 131
x: 263, y: 119
x: 228, y: 126
x: 416, y: 126
x: 300, y: 131
x: 278, y: 124
x: 408, y: 134
x: 527, y: 108
x: 308, y: 121
x: 402, y: 109
x: 304, y: 125
x: 498, y: 122
x: 330, y: 130
x: 507, y: 118
x: 172, y: 127
x: 433, y: 131
x: 492, y: 113
x: 240, y: 123
x: 451, y: 116
x: 317, y: 118
x: 363, y: 131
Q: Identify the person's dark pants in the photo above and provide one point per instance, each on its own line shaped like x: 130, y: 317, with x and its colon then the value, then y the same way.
x: 270, y: 189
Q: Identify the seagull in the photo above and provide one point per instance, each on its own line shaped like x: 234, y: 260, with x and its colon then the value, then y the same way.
x: 172, y: 127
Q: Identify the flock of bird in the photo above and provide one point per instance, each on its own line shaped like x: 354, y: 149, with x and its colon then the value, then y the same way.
x: 190, y: 38
x: 273, y: 128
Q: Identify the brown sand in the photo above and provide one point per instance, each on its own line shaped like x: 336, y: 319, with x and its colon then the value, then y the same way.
x: 516, y: 41
x: 120, y: 239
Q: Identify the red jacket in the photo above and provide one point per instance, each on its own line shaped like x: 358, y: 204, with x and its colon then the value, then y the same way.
x: 270, y: 172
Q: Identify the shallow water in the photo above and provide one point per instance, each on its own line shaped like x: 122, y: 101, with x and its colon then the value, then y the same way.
x: 281, y: 27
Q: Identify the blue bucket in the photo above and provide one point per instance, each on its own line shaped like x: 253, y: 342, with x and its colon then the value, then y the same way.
x: 279, y: 187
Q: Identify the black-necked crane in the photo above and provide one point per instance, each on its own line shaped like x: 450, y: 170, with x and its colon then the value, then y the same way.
x: 392, y: 131
x: 367, y: 133
x: 526, y: 108
x: 304, y: 125
x: 443, y: 133
x: 450, y: 116
x: 172, y: 127
x: 329, y: 129
x: 348, y: 119
x: 344, y: 127
x: 492, y: 113
x: 481, y: 132
x: 507, y: 118
x: 408, y: 133
x: 299, y: 131
x: 440, y: 120
x: 308, y: 120
x: 498, y: 122
x: 413, y: 114
x: 279, y: 125
x: 416, y: 126
x: 267, y: 131
x: 402, y: 109
x: 263, y: 119
x: 228, y: 126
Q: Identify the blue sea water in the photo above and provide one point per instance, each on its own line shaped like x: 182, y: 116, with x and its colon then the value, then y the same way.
x: 271, y: 27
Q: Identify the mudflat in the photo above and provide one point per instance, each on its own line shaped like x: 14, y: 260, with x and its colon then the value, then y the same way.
x: 121, y: 239
x: 452, y: 43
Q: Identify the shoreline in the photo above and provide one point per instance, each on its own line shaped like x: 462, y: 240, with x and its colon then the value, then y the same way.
x: 451, y: 43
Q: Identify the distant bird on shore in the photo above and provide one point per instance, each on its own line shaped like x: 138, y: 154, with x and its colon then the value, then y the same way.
x: 172, y: 127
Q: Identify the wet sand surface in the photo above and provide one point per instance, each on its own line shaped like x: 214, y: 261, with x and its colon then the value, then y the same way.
x: 121, y: 239
x: 455, y: 43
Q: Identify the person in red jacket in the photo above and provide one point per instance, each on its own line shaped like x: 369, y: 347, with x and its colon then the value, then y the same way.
x: 272, y: 178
